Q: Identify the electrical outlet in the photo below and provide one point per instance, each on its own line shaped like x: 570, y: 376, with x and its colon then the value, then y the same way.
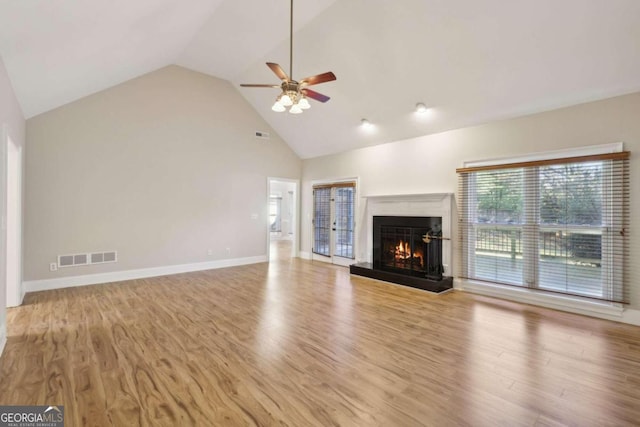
x: 210, y: 252
x: 53, y: 266
x: 228, y: 251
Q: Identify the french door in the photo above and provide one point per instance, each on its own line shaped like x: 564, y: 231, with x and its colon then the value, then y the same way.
x: 334, y: 222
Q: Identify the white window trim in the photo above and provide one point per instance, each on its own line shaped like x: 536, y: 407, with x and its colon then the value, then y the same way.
x: 591, y: 150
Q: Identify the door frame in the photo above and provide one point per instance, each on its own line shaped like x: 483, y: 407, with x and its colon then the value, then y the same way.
x: 356, y: 209
x: 295, y: 247
x: 13, y: 161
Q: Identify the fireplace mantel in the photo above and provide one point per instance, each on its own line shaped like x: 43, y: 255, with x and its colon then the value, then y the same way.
x: 409, y: 197
x: 429, y: 204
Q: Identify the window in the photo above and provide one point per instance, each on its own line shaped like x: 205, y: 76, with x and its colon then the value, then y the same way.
x: 556, y: 225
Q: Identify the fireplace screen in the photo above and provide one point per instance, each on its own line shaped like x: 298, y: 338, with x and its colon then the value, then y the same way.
x: 408, y: 245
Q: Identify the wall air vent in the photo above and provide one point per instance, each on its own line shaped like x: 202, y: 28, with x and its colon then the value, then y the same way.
x: 72, y: 260
x: 262, y: 135
x: 104, y: 257
x: 86, y: 259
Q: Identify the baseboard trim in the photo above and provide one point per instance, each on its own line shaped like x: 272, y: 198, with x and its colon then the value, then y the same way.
x: 562, y: 303
x: 304, y: 255
x: 119, y: 276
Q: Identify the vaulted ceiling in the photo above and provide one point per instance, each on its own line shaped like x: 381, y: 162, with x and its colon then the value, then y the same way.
x: 469, y: 61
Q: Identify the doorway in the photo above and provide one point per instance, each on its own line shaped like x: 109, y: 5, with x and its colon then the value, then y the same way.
x: 12, y: 223
x: 282, y: 228
x: 334, y: 208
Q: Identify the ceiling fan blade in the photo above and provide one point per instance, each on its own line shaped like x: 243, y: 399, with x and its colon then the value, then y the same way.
x: 320, y: 78
x: 315, y: 95
x: 258, y: 85
x: 278, y: 71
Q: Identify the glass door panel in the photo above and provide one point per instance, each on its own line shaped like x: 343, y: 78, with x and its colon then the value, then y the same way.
x: 344, y: 222
x: 322, y: 221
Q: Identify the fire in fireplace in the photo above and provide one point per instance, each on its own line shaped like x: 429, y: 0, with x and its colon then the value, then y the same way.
x: 406, y: 256
x: 408, y: 245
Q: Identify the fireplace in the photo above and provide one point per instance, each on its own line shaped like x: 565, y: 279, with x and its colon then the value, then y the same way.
x: 405, y: 240
x: 408, y: 245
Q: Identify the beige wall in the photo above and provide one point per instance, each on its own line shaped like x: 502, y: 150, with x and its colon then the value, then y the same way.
x: 161, y: 168
x: 12, y: 121
x: 427, y: 164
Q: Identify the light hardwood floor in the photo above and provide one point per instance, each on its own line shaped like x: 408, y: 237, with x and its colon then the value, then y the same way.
x: 302, y: 343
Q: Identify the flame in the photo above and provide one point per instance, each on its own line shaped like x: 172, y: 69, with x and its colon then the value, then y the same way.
x: 403, y: 250
x: 402, y: 253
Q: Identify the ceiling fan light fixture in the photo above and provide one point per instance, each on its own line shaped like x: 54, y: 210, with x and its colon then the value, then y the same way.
x: 278, y: 107
x: 295, y: 109
x: 304, y: 104
x: 286, y: 100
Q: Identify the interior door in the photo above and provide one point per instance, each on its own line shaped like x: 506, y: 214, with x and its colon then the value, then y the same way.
x: 334, y: 223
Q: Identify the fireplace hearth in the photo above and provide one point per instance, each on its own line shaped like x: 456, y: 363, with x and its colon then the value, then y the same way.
x: 407, y: 250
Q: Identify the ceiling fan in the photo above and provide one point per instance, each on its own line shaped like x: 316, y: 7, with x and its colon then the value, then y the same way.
x: 294, y: 93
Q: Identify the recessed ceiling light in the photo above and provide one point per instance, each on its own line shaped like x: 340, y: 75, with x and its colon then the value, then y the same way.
x: 421, y: 108
x: 365, y: 123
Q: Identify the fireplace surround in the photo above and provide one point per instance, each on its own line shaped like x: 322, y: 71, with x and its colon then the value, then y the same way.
x: 407, y: 241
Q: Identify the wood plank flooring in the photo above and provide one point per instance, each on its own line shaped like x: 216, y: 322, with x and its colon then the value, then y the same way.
x: 301, y: 343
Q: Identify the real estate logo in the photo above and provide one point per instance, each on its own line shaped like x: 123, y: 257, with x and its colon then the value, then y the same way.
x: 31, y: 416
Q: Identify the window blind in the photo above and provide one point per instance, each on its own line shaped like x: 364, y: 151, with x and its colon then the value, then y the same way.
x: 344, y: 220
x: 558, y: 225
x: 321, y: 220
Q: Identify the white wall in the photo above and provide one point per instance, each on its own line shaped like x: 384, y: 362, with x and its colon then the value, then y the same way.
x: 12, y: 121
x: 427, y: 164
x: 162, y: 169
